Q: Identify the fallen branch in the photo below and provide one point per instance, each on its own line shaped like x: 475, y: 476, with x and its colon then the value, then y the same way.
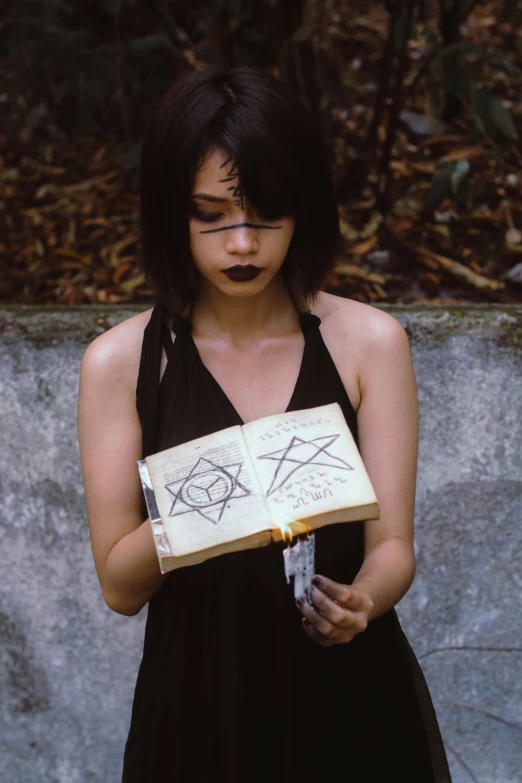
x: 454, y: 268
x: 351, y: 270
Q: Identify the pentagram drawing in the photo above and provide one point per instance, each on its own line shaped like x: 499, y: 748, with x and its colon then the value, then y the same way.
x: 301, y: 454
x: 207, y: 489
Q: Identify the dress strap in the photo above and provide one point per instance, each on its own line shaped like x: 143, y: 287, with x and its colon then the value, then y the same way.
x: 309, y: 320
x: 181, y: 324
x: 148, y: 379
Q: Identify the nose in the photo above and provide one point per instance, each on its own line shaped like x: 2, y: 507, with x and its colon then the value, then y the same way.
x: 242, y: 240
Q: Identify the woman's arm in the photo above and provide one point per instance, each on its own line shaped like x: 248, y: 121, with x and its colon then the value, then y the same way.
x: 388, y: 425
x: 388, y: 428
x: 109, y: 434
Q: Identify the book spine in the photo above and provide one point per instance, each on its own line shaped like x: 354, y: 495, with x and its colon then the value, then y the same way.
x: 158, y: 528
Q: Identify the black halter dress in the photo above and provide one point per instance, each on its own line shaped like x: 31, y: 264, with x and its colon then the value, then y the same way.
x: 230, y: 688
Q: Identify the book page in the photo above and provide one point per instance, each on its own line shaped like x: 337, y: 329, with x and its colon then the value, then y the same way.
x: 207, y: 492
x: 308, y: 463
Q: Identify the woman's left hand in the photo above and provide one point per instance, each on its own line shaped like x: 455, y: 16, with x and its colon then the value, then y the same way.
x: 334, y: 613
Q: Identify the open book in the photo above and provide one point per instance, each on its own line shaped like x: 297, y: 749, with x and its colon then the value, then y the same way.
x: 244, y: 487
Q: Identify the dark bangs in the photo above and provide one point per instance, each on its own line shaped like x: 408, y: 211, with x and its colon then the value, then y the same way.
x: 283, y: 169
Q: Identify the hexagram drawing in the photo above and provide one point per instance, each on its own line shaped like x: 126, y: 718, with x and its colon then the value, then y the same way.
x: 207, y: 489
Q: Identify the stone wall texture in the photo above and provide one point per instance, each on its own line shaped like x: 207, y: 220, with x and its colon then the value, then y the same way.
x: 68, y: 664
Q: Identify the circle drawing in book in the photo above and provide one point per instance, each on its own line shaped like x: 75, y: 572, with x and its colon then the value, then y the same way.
x: 207, y: 489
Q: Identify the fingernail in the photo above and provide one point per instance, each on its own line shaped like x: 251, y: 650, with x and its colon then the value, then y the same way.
x: 305, y: 621
x: 316, y: 581
x: 299, y: 601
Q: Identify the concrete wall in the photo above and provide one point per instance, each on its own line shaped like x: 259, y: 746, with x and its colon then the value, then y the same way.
x: 68, y: 664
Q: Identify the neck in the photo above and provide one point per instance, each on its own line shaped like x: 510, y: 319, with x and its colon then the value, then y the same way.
x: 244, y: 319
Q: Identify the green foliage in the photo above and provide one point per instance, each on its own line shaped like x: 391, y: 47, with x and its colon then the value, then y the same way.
x: 451, y: 180
x: 455, y: 77
x: 148, y: 44
x: 399, y: 31
x: 465, y: 68
x: 482, y: 55
x: 510, y: 6
x: 81, y: 48
x: 98, y: 53
x: 132, y: 156
x: 491, y: 114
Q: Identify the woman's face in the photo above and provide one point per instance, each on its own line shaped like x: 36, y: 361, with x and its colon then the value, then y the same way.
x: 235, y: 249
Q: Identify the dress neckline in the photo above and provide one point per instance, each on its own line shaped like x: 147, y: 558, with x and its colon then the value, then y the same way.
x: 182, y: 327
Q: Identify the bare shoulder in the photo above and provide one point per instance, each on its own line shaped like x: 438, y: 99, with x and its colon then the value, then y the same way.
x: 116, y: 353
x: 347, y: 317
x: 357, y: 334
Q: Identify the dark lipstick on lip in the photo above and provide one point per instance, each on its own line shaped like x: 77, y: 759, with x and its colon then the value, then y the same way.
x: 242, y: 272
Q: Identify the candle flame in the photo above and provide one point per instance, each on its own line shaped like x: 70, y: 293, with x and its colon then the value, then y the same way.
x: 290, y: 527
x: 283, y: 523
x: 286, y: 532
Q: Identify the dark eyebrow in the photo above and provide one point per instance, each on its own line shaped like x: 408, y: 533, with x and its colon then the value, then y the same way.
x: 208, y: 197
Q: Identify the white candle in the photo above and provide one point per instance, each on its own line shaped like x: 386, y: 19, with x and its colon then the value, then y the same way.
x: 300, y: 563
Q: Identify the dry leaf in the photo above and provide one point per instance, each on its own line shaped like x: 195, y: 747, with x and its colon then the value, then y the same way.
x: 465, y: 153
x: 68, y: 253
x: 513, y: 236
x: 362, y: 247
x: 426, y: 167
x: 129, y: 285
x: 114, y: 259
x: 400, y: 224
x: 351, y: 270
x: 402, y: 168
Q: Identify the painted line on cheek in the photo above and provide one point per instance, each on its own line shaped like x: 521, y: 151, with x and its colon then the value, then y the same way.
x: 240, y: 225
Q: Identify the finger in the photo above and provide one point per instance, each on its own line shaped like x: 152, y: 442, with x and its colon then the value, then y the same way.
x: 315, y: 636
x: 333, y: 612
x: 346, y: 620
x: 346, y: 595
x: 324, y: 626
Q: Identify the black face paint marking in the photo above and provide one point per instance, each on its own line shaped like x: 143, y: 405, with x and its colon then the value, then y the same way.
x: 240, y: 225
x: 233, y: 174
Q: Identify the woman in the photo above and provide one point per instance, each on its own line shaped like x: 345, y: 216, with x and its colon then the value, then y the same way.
x: 239, y: 682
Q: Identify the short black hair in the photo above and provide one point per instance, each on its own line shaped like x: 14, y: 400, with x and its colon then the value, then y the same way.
x: 282, y: 163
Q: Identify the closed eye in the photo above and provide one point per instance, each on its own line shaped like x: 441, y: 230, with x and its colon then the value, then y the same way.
x: 212, y: 217
x: 270, y: 217
x: 206, y: 217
